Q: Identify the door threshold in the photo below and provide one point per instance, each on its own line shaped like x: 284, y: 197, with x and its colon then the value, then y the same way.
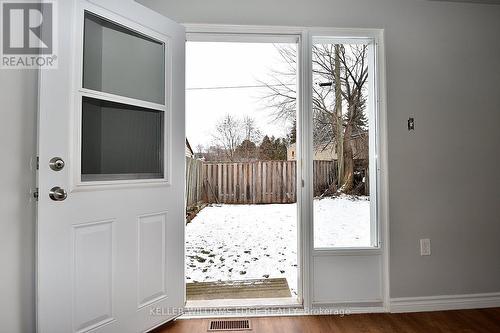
x: 248, y: 307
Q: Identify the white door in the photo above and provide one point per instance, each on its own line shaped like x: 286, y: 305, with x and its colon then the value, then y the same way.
x: 111, y: 254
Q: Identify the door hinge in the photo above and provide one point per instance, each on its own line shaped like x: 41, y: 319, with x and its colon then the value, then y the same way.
x: 38, y: 162
x: 35, y: 194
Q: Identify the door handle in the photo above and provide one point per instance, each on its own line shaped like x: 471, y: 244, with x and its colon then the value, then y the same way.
x: 57, y: 194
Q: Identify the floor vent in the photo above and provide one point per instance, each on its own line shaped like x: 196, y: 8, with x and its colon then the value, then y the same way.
x: 229, y: 325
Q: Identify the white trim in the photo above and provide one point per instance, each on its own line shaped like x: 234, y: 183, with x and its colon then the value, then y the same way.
x: 373, y: 145
x: 347, y: 252
x: 354, y: 33
x: 240, y: 38
x: 342, y: 40
x: 241, y: 29
x: 383, y: 179
x: 351, y: 33
x: 284, y: 311
x: 304, y: 165
x: 356, y: 303
x: 108, y: 97
x: 398, y: 305
x: 445, y: 302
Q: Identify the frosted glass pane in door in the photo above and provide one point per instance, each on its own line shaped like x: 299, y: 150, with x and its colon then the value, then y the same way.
x: 120, y: 61
x: 121, y: 141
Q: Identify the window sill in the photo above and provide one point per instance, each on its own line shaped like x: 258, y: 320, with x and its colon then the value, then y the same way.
x: 369, y: 251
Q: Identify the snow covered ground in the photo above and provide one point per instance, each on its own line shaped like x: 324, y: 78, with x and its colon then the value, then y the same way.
x: 238, y: 242
x: 342, y: 222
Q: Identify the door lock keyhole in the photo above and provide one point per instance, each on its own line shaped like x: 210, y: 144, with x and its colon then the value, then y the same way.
x: 56, y: 163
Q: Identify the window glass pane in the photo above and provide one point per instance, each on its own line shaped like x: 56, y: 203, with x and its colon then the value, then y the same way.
x: 120, y: 141
x: 341, y: 145
x: 120, y: 61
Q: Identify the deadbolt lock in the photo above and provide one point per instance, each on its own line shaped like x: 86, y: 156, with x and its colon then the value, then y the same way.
x: 56, y: 163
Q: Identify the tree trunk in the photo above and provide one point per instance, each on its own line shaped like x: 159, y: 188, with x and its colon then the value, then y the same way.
x: 337, y: 121
x: 348, y: 178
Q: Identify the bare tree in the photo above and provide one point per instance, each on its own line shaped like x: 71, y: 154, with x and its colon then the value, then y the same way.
x: 228, y: 135
x: 281, y: 87
x: 354, y: 81
x: 340, y: 75
x: 251, y: 131
x: 236, y: 138
x: 199, y: 151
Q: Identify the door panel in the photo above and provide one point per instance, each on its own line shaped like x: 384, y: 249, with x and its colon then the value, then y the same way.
x: 110, y: 256
x: 93, y: 274
x: 152, y: 265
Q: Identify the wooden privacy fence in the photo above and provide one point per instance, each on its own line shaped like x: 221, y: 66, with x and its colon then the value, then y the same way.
x: 260, y: 182
x: 250, y: 182
x: 194, y: 182
x: 324, y: 175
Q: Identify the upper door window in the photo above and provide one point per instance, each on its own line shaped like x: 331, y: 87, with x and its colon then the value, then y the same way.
x: 344, y: 143
x: 123, y: 103
x: 122, y: 62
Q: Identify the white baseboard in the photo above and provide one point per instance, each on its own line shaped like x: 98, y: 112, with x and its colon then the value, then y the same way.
x: 444, y: 302
x: 353, y: 307
x: 397, y: 305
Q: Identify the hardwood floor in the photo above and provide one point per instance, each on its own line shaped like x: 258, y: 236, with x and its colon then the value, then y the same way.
x: 461, y: 321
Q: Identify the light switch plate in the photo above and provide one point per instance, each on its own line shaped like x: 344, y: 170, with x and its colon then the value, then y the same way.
x: 425, y: 247
x: 411, y: 124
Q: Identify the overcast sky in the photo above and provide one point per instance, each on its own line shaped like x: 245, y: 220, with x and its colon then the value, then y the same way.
x: 215, y: 64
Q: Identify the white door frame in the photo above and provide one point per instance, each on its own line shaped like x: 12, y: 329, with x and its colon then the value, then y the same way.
x: 250, y: 34
x: 241, y: 33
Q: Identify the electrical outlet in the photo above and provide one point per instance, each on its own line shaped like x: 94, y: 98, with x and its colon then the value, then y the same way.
x: 425, y: 247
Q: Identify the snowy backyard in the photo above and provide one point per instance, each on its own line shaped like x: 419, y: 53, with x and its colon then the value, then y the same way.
x: 238, y: 242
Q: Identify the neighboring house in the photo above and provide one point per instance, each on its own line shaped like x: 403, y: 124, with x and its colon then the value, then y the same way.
x: 321, y: 153
x: 189, y: 150
x: 200, y: 156
x: 327, y: 153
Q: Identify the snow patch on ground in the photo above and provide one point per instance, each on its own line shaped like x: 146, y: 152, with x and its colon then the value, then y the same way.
x: 238, y: 242
x: 342, y: 222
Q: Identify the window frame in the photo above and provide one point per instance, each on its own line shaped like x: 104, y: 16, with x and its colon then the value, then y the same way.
x: 382, y: 252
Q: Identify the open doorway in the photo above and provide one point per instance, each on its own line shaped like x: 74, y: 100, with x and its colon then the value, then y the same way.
x: 241, y: 173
